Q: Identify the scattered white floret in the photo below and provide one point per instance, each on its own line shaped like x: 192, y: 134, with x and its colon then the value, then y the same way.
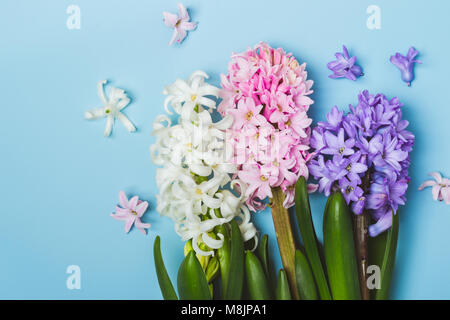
x: 112, y: 108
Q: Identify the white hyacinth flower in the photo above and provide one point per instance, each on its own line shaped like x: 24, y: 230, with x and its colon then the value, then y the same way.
x: 198, y: 230
x: 194, y: 180
x: 185, y: 96
x: 112, y: 108
x: 198, y: 144
x: 178, y: 187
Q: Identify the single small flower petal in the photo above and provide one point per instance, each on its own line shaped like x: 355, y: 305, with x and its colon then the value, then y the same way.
x: 213, y: 243
x: 141, y: 208
x: 428, y: 183
x: 384, y: 223
x: 123, y: 199
x: 120, y: 216
x: 446, y: 194
x: 170, y: 19
x: 175, y: 37
x: 96, y: 113
x: 436, y: 192
x: 126, y: 122
x: 109, y: 126
x: 132, y: 203
x: 312, y: 187
x: 129, y: 223
x: 141, y: 226
x: 437, y: 176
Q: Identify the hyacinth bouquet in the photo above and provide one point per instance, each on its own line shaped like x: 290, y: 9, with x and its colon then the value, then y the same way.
x: 258, y: 151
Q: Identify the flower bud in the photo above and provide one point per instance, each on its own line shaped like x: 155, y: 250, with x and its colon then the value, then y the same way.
x: 203, y: 259
x: 188, y: 247
x: 212, y: 269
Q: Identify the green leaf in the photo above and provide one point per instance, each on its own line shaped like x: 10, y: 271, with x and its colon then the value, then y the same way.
x: 339, y: 246
x: 283, y: 292
x: 224, y: 255
x: 384, y: 247
x: 256, y: 279
x: 262, y: 252
x: 192, y: 283
x: 236, y: 270
x: 305, y: 279
x: 165, y: 284
x: 305, y: 223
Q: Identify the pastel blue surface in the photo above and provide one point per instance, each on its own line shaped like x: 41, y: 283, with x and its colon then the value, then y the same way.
x: 60, y: 178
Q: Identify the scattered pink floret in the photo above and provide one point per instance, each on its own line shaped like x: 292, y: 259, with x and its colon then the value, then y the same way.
x: 440, y: 187
x: 131, y: 211
x: 180, y: 24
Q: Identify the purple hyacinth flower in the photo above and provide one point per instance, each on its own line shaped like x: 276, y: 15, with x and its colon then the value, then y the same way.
x: 338, y: 145
x: 350, y: 167
x: 334, y: 120
x: 406, y: 64
x: 328, y: 172
x: 345, y: 66
x: 383, y: 223
x: 354, y: 167
x: 390, y: 154
x: 371, y: 147
x: 320, y: 171
x: 358, y: 206
x: 317, y: 140
x: 386, y: 193
x: 350, y: 190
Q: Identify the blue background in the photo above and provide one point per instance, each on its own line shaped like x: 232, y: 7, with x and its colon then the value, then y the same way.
x: 60, y: 178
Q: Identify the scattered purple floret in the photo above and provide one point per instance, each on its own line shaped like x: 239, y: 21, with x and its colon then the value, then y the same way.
x: 345, y: 66
x: 406, y: 64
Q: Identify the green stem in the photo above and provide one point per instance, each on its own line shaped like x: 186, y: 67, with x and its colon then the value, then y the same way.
x: 361, y: 225
x: 361, y: 230
x: 285, y: 238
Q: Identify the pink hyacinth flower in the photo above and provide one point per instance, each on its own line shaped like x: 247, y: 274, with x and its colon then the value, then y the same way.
x: 266, y: 91
x: 257, y: 180
x: 247, y: 113
x: 180, y: 23
x: 131, y: 211
x: 440, y: 187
